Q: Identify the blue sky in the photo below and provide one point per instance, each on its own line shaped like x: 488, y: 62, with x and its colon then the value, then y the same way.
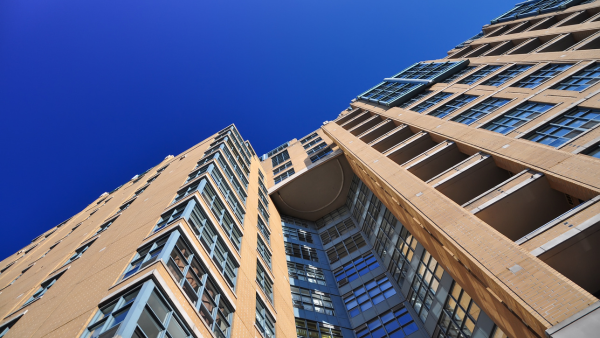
x: 94, y: 92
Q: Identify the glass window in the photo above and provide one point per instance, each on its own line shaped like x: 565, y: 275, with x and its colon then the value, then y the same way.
x: 581, y: 80
x: 78, y: 252
x: 480, y: 74
x: 263, y: 230
x: 361, y: 202
x: 352, y: 192
x: 459, y: 315
x: 387, y: 92
x: 566, y: 127
x: 280, y: 158
x: 19, y: 276
x: 310, y: 329
x: 264, y: 320
x: 296, y: 234
x: 396, y: 323
x: 264, y: 252
x: 308, y: 138
x: 320, y: 155
x: 367, y: 295
x: 263, y: 212
x: 480, y: 110
x: 425, y: 285
x: 415, y: 99
x: 282, y: 168
x: 517, y: 117
x: 430, y: 102
x: 317, y: 148
x: 371, y: 216
x: 6, y: 327
x: 312, y: 143
x: 43, y: 289
x: 332, y: 216
x: 337, y: 231
x: 357, y: 267
x: 214, y: 201
x: 593, y: 151
x: 506, y: 75
x: 312, y: 300
x: 460, y: 74
x: 278, y: 149
x: 264, y: 281
x: 293, y: 221
x: 385, y: 234
x: 455, y: 104
x: 540, y: 76
x: 403, y: 255
x: 145, y: 256
x: 301, y: 251
x: 307, y: 273
x: 346, y: 247
x: 125, y: 206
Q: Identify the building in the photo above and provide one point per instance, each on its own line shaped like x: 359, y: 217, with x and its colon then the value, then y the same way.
x: 457, y: 198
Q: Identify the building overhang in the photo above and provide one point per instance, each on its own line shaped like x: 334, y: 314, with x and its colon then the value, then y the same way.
x: 316, y: 190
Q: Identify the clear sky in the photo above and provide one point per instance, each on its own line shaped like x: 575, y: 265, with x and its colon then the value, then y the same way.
x: 94, y: 92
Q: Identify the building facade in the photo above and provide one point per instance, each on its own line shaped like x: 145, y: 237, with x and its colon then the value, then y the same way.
x: 457, y: 198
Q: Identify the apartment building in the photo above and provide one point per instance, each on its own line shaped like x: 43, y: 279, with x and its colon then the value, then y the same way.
x: 456, y: 198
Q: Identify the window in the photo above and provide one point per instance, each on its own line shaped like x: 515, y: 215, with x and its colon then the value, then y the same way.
x: 262, y: 197
x: 371, y: 217
x: 43, y: 289
x: 312, y: 143
x: 145, y: 256
x: 425, y: 285
x: 103, y: 227
x: 453, y: 105
x: 413, y: 100
x: 278, y: 149
x: 459, y: 315
x: 581, y: 80
x: 480, y: 74
x: 525, y: 9
x: 263, y: 280
x: 310, y: 329
x: 480, y: 110
x: 293, y: 221
x: 542, y: 75
x: 6, y: 327
x: 162, y: 169
x: 365, y: 296
x: 385, y: 234
x: 78, y: 253
x: 283, y: 167
x: 296, y: 234
x: 264, y: 320
x: 151, y: 179
x: 139, y: 191
x: 214, y: 203
x: 387, y: 92
x: 517, y: 117
x: 317, y: 148
x: 263, y: 252
x: 403, y: 255
x: 307, y: 273
x: 357, y: 267
x: 506, y: 75
x: 125, y: 206
x: 109, y: 317
x: 361, y: 202
x: 566, y: 127
x: 352, y: 192
x: 593, y: 151
x: 395, y: 323
x: 284, y: 176
x: 263, y: 212
x: 337, y: 231
x: 301, y: 251
x: 346, y: 247
x: 312, y: 300
x: 430, y: 102
x: 211, y: 198
x: 263, y: 229
x: 320, y: 155
x: 280, y: 158
x: 460, y: 74
x: 308, y: 138
x: 332, y: 216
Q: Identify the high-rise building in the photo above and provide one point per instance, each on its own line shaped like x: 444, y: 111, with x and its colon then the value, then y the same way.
x: 457, y: 198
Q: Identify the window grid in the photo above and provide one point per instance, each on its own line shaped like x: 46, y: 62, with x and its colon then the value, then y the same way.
x: 542, y: 75
x: 414, y: 100
x: 293, y: 221
x: 312, y: 143
x: 371, y: 216
x: 566, y: 127
x: 480, y: 74
x: 506, y: 75
x: 261, y: 247
x: 460, y: 74
x: 310, y: 329
x: 227, y: 192
x: 308, y: 138
x: 425, y: 285
x: 337, y: 231
x: 581, y: 80
x: 517, y: 117
x: 297, y: 234
x: 357, y: 267
x: 280, y: 158
x: 46, y: 285
x: 264, y: 281
x: 103, y: 227
x: 346, y: 247
x: 367, y: 295
x: 352, y: 192
x: 361, y: 201
x: 78, y: 252
x: 227, y: 223
x: 263, y: 212
x: 459, y: 315
x: 312, y: 300
x: 430, y: 102
x: 262, y: 197
x: 388, y: 91
x: 593, y: 151
x: 316, y: 148
x: 332, y: 216
x: 385, y: 234
x: 280, y: 169
x: 301, y: 251
x: 396, y: 323
x: 264, y: 319
x: 278, y: 149
x: 284, y: 176
x: 480, y: 110
x: 403, y: 255
x: 307, y: 273
x: 452, y: 106
x: 320, y: 155
x: 263, y: 229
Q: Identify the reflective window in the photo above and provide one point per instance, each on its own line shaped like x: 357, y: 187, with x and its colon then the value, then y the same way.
x: 264, y: 319
x: 284, y: 176
x: 365, y: 296
x: 396, y: 323
x: 357, y: 267
x: 312, y: 143
x: 460, y: 74
x: 542, y: 75
x: 6, y: 327
x: 78, y: 252
x: 345, y: 247
x: 301, y: 251
x: 430, y: 102
x: 371, y: 216
x: 312, y: 300
x: 425, y: 285
x: 320, y: 155
x: 307, y: 273
x: 403, y: 255
x: 581, y: 80
x: 317, y: 148
x: 593, y: 151
x: 337, y: 230
x: 517, y: 117
x: 282, y: 168
x: 480, y: 110
x: 310, y: 329
x: 297, y: 234
x: 264, y: 252
x: 566, y: 127
x: 43, y: 289
x: 453, y: 105
x: 103, y: 227
x: 480, y: 74
x: 385, y: 234
x: 415, y: 99
x: 459, y: 315
x: 145, y: 256
x: 264, y: 281
x: 263, y: 229
x: 506, y: 75
x: 308, y: 138
x: 280, y: 158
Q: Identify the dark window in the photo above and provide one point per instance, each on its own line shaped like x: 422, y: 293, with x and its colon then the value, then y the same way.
x: 517, y: 117
x: 566, y: 127
x: 455, y: 104
x: 480, y: 110
x: 506, y: 75
x: 542, y: 75
x: 581, y: 80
